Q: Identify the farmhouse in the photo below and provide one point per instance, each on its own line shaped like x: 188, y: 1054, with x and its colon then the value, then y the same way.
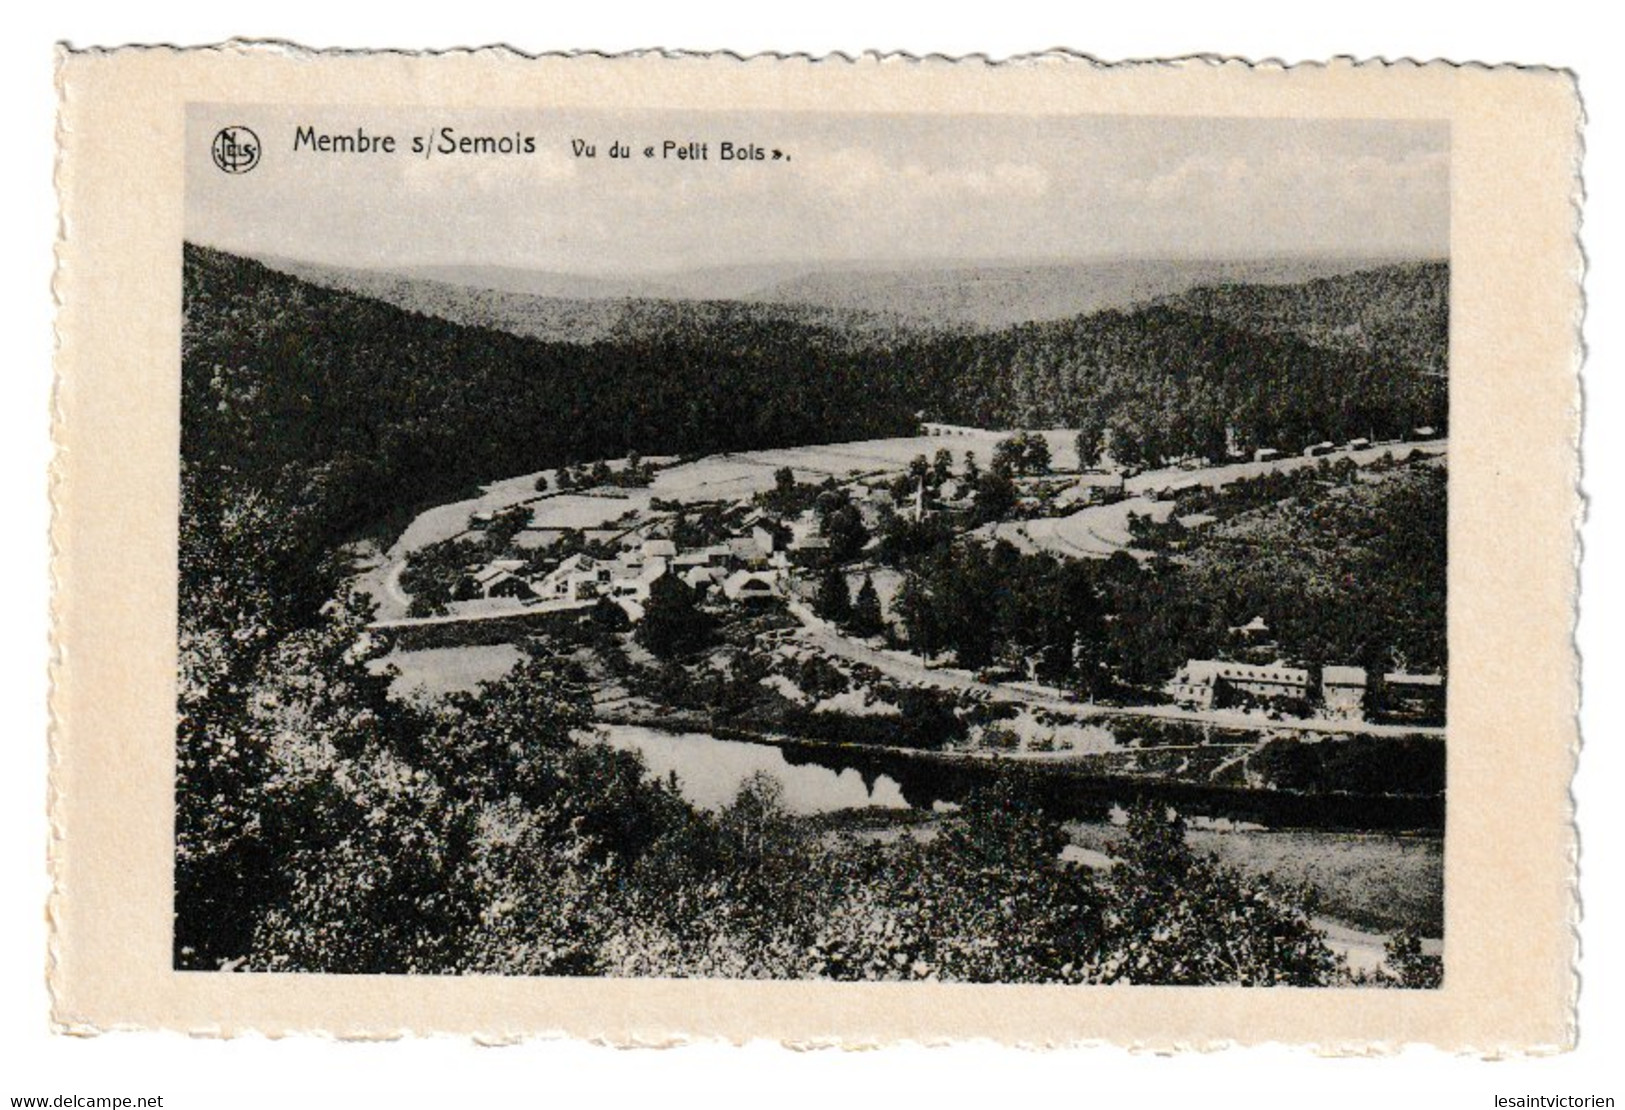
x: 700, y: 578
x: 1253, y: 630
x: 1173, y: 490
x: 497, y: 579
x: 745, y: 551
x: 807, y: 550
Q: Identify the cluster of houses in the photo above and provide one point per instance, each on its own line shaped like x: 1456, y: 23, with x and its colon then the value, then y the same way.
x: 749, y: 566
x: 1344, y: 693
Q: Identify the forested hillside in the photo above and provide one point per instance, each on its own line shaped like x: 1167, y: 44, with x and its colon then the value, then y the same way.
x: 938, y: 296
x: 1399, y: 314
x: 351, y: 406
x: 1167, y: 382
x: 581, y: 310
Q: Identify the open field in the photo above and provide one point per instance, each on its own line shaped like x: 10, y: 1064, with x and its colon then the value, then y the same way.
x: 747, y: 473
x: 1092, y: 533
x: 438, y: 671
x: 1371, y: 881
x: 575, y: 510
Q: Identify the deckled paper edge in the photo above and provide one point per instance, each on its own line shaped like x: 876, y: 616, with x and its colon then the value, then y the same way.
x: 58, y: 666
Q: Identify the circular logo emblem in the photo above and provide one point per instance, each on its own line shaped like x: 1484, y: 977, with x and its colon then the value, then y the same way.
x: 236, y: 149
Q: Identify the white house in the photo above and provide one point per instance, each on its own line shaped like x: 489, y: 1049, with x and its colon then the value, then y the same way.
x: 1206, y: 683
x: 750, y: 585
x: 578, y: 578
x: 629, y: 582
x: 1344, y: 691
x: 497, y: 579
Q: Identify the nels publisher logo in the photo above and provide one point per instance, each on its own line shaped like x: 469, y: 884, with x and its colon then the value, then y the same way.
x: 236, y: 149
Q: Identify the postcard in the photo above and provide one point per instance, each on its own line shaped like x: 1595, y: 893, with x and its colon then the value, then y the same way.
x: 841, y: 551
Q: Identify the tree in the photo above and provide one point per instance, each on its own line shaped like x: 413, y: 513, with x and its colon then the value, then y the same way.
x: 973, y: 471
x: 918, y: 608
x: 1023, y: 453
x: 867, y: 619
x: 1035, y: 453
x: 834, y: 602
x: 1091, y: 440
x: 757, y: 828
x: 995, y: 494
x: 1128, y: 442
x: 505, y: 525
x: 967, y: 596
x: 673, y: 623
x: 828, y: 502
x: 1008, y: 455
x: 989, y: 900
x: 608, y: 616
x: 847, y: 534
x: 541, y: 483
x: 942, y: 466
x: 1182, y: 919
x: 1408, y: 966
x: 424, y: 606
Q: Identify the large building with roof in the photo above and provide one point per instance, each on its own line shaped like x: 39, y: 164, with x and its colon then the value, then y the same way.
x: 1215, y: 683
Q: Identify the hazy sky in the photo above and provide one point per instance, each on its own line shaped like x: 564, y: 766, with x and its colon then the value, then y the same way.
x: 864, y: 188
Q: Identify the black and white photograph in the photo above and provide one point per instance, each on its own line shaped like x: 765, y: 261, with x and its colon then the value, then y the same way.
x: 677, y: 560
x: 795, y: 545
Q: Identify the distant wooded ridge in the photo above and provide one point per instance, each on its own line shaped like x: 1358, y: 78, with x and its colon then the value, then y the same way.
x: 862, y: 298
x: 342, y: 405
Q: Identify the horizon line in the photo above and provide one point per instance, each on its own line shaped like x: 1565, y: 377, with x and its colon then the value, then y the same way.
x: 851, y: 263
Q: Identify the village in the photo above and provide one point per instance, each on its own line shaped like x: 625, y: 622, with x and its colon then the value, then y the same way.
x: 740, y: 533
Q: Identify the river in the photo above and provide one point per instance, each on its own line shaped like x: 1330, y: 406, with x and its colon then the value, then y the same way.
x: 711, y: 770
x: 1374, y: 880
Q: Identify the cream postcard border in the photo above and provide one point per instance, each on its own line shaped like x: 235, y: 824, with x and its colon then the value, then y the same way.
x: 1509, y: 849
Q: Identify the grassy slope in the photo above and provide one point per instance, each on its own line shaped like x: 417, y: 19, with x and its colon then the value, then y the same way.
x: 1375, y: 882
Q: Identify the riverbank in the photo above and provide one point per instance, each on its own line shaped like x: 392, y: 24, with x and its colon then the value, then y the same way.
x: 1073, y: 786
